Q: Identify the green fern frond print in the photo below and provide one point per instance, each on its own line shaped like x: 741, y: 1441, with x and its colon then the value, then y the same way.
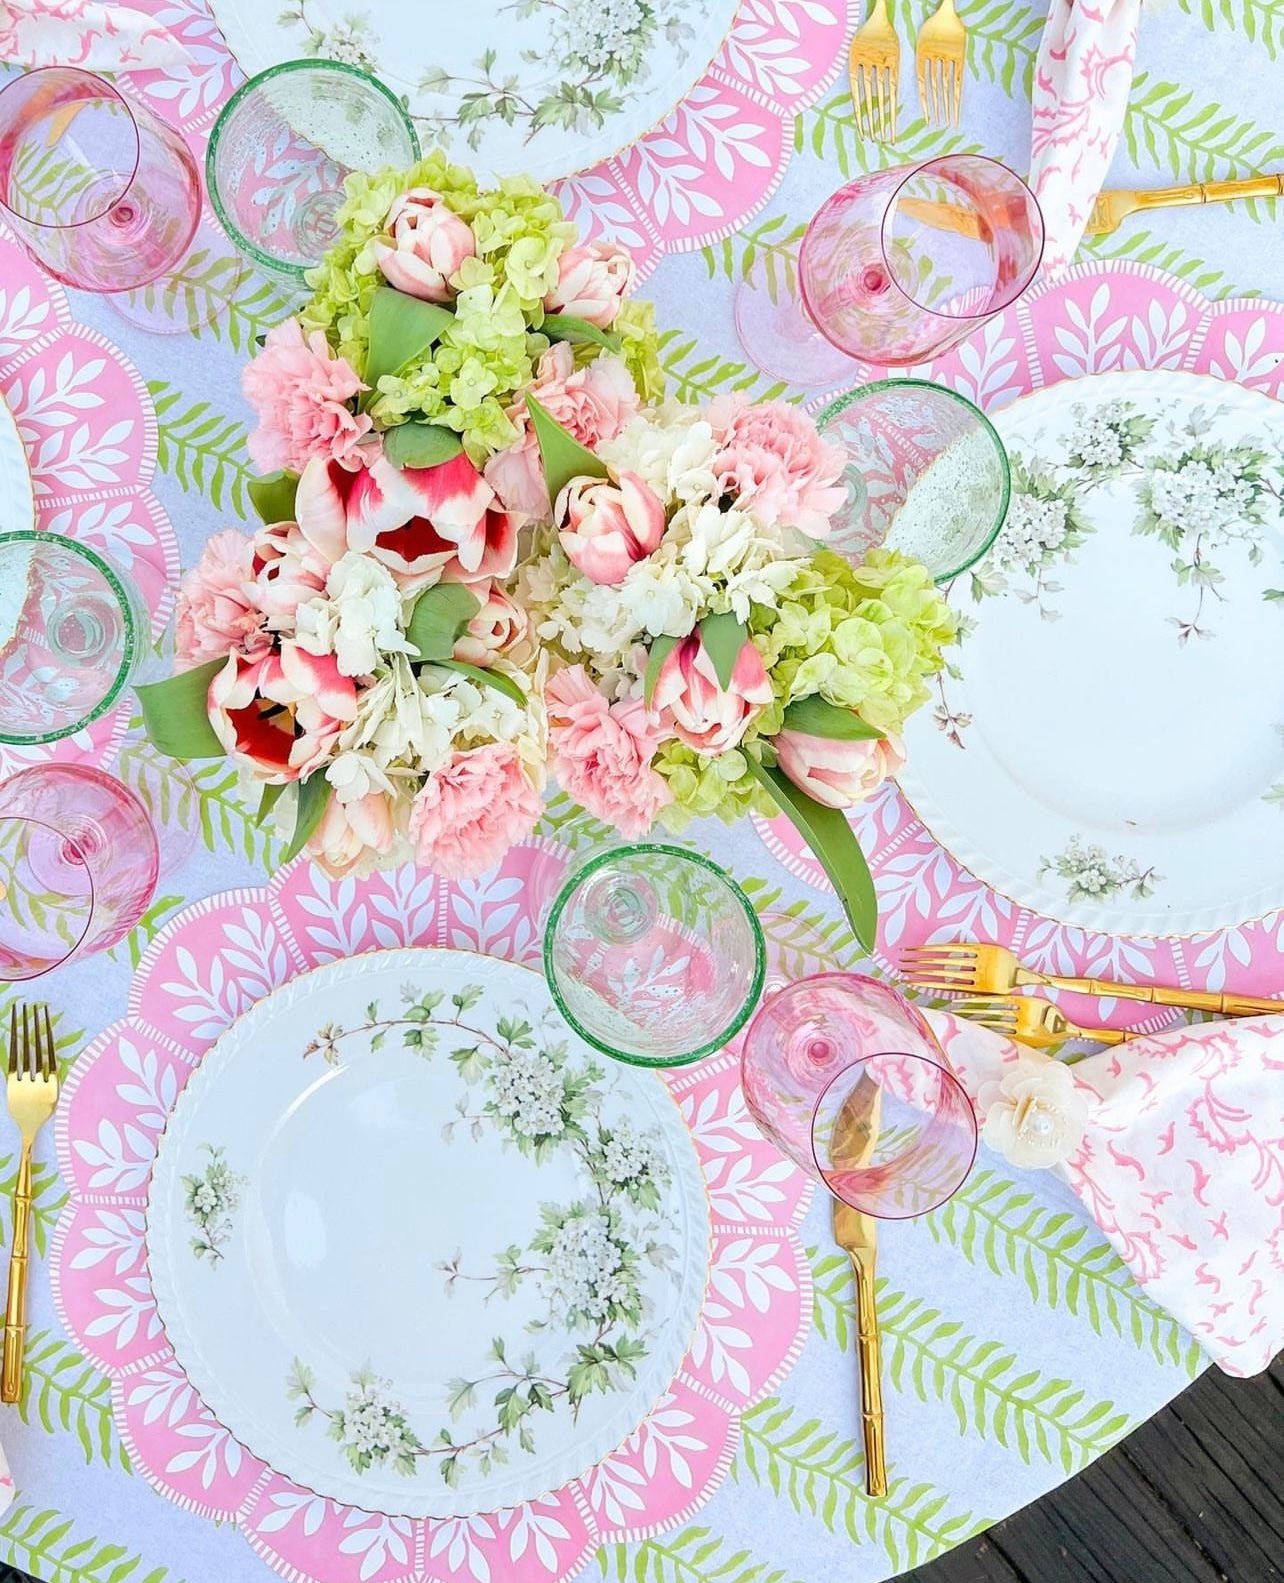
x: 203, y: 450
x: 565, y: 821
x: 1001, y: 43
x: 829, y: 131
x: 1064, y: 1262
x: 982, y: 1382
x: 823, y: 1475
x: 216, y: 294
x: 1197, y: 141
x: 765, y: 252
x: 1143, y: 247
x: 44, y: 1544
x: 697, y: 376
x: 47, y: 1198
x: 1260, y: 21
x: 227, y: 822
x: 692, y: 1556
x: 62, y: 1389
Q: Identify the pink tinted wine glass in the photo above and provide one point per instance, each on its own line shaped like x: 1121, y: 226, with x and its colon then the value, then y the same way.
x: 829, y: 1052
x: 78, y: 866
x: 896, y: 268
x: 99, y: 191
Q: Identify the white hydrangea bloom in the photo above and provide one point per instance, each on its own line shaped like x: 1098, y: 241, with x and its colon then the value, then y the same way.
x: 358, y: 619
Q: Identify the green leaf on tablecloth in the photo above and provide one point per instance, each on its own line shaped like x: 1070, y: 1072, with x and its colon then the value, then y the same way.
x: 146, y: 929
x: 1196, y: 140
x: 562, y: 455
x: 764, y: 252
x: 47, y: 1198
x: 216, y: 294
x: 565, y: 821
x: 401, y: 327
x: 578, y: 332
x: 693, y: 1555
x: 228, y: 822
x: 273, y: 496
x: 201, y: 448
x: 1064, y: 1261
x: 990, y: 1391
x: 1260, y: 21
x: 802, y: 939
x: 43, y: 1541
x: 175, y: 713
x: 1143, y: 247
x: 829, y: 130
x: 696, y: 376
x: 1002, y: 40
x: 62, y: 1390
x: 823, y: 1476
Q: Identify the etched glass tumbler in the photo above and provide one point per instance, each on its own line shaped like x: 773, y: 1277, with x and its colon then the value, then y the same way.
x: 925, y: 474
x: 896, y: 268
x: 846, y: 1078
x: 78, y: 866
x: 99, y: 190
x: 654, y: 955
x: 281, y: 148
x: 73, y: 630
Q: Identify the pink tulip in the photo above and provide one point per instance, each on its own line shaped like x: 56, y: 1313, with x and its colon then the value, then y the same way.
x: 340, y: 510
x: 499, y: 626
x: 606, y: 527
x: 690, y: 703
x: 592, y: 282
x: 457, y: 532
x: 287, y: 570
x: 835, y: 773
x: 280, y: 715
x: 429, y: 244
x: 352, y: 831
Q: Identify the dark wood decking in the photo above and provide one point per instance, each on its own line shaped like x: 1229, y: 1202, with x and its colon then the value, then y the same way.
x: 1194, y: 1496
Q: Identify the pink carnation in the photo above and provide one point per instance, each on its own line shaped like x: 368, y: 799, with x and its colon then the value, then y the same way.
x: 218, y: 613
x: 471, y: 810
x: 602, y: 753
x: 773, y: 463
x: 593, y: 403
x: 301, y: 395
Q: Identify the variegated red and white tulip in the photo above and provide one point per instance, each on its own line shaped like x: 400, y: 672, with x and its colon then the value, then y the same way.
x: 280, y: 715
x: 429, y: 243
x: 340, y: 510
x: 606, y: 526
x: 689, y: 701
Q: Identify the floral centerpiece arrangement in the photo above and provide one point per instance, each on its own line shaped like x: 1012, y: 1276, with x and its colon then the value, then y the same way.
x: 488, y: 552
x: 360, y: 656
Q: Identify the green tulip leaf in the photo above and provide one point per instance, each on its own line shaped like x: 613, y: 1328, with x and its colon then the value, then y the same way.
x: 661, y: 648
x: 439, y: 618
x: 578, y: 332
x: 819, y: 718
x: 401, y: 327
x: 421, y: 445
x: 834, y: 844
x: 487, y: 678
x: 722, y: 638
x: 314, y: 794
x: 271, y: 796
x: 176, y: 713
x: 273, y: 496
x: 563, y: 456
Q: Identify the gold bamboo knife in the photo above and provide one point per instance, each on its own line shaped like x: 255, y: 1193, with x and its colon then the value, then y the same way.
x: 1113, y: 207
x: 855, y: 1134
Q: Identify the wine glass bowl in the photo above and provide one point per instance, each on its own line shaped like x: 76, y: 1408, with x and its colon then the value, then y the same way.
x: 99, y: 190
x: 72, y: 631
x: 846, y: 1078
x: 926, y: 474
x: 653, y: 955
x: 281, y: 149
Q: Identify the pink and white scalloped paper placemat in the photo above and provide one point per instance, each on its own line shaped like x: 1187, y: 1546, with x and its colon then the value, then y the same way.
x: 87, y: 424
x: 206, y: 967
x: 1093, y: 319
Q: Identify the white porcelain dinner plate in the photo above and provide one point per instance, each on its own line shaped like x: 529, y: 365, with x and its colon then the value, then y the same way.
x: 546, y: 87
x: 17, y: 502
x: 418, y: 1248
x: 1108, y: 745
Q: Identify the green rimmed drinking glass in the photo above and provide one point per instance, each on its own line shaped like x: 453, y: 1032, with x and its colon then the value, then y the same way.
x: 72, y: 632
x: 926, y: 474
x: 654, y: 955
x: 281, y: 149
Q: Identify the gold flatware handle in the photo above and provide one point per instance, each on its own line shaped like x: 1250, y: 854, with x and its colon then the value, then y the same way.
x: 1210, y: 192
x: 15, y: 1310
x: 1158, y: 995
x: 871, y: 1378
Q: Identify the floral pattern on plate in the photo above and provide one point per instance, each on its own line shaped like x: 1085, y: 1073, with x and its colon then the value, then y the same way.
x: 204, y: 968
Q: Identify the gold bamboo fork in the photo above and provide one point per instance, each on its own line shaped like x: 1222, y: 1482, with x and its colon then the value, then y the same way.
x: 32, y: 1091
x: 940, y: 53
x: 1030, y: 1020
x: 966, y: 968
x: 1112, y: 208
x: 874, y: 66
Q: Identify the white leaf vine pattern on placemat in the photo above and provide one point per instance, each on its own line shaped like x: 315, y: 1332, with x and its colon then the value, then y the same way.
x: 585, y: 1260
x: 211, y: 1200
x: 1091, y: 874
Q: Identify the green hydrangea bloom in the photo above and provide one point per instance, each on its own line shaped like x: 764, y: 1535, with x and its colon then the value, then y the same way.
x: 703, y: 787
x: 640, y: 348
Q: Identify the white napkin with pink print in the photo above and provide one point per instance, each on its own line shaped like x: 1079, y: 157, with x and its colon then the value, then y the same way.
x: 1082, y: 76
x: 1180, y: 1163
x: 84, y: 33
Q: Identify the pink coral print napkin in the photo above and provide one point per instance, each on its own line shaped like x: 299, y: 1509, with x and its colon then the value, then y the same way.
x: 1177, y: 1151
x: 1081, y: 80
x: 96, y: 37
